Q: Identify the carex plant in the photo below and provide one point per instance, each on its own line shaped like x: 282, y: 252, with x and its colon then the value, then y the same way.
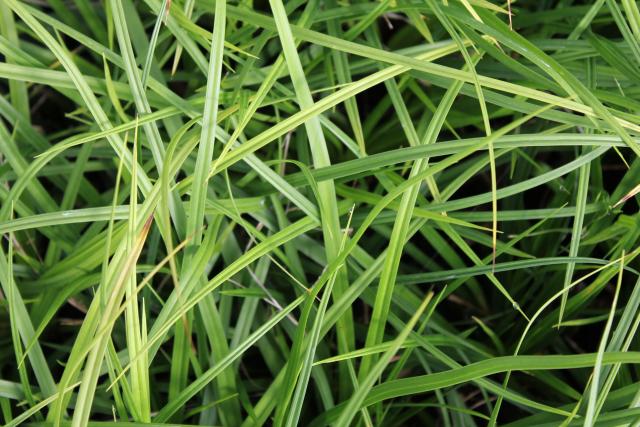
x: 322, y: 212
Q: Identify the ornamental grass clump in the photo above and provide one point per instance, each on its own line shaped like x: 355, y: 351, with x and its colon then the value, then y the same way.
x: 365, y: 213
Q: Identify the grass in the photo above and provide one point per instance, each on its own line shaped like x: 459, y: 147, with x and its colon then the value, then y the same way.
x: 319, y: 213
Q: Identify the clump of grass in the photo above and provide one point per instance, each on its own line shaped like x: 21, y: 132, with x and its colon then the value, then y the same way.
x: 311, y: 213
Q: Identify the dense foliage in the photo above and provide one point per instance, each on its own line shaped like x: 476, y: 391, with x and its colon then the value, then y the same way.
x: 389, y: 213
